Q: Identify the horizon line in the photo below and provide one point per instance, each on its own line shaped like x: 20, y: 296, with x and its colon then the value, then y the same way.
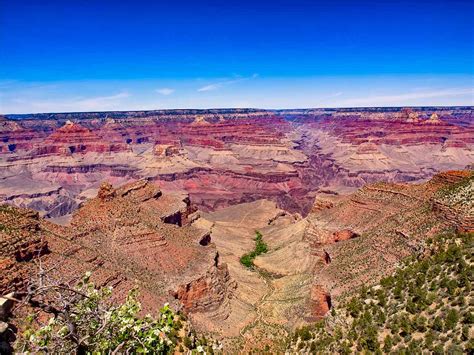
x: 246, y: 108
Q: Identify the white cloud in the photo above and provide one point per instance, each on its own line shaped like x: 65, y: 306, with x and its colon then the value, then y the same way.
x: 165, y: 91
x: 210, y: 87
x: 402, y: 98
x: 100, y: 101
x: 223, y: 83
x: 97, y: 103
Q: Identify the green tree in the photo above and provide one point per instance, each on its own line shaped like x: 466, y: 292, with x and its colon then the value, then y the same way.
x: 84, y: 321
x: 438, y: 324
x: 387, y: 343
x: 451, y: 319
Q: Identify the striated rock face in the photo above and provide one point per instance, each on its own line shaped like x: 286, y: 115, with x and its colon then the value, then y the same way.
x: 374, y: 228
x: 14, y: 138
x: 147, y: 231
x: 315, y: 262
x: 226, y: 157
x: 387, y: 144
x: 72, y: 138
x: 320, y: 302
x: 49, y: 199
x: 138, y: 234
x: 455, y: 203
x: 207, y: 293
x: 125, y: 237
x: 21, y: 241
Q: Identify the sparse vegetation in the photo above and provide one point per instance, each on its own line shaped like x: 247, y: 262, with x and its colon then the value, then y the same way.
x: 459, y: 195
x: 260, y: 248
x: 425, y: 305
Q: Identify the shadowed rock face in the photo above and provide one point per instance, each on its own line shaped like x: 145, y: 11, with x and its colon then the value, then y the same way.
x: 314, y: 262
x: 226, y: 157
x: 123, y: 236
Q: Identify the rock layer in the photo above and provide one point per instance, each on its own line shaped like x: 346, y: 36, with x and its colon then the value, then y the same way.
x: 314, y: 262
x: 225, y: 157
x: 132, y: 235
x: 125, y: 236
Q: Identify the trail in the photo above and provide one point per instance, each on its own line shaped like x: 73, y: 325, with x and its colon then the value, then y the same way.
x: 260, y: 319
x: 246, y: 215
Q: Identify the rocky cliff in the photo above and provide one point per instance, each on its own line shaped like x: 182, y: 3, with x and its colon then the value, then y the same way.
x: 138, y: 234
x: 225, y: 157
x: 314, y: 262
x: 132, y: 235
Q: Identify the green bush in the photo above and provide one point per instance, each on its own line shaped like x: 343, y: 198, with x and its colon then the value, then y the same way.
x: 90, y: 324
x: 418, y: 298
x: 260, y: 248
x: 451, y: 319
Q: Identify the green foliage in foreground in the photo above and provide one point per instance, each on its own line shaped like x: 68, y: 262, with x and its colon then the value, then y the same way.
x: 91, y: 325
x: 260, y: 248
x: 425, y: 306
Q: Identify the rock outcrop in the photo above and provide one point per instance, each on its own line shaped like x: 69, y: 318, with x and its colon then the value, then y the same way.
x: 125, y: 236
x: 138, y: 234
x: 363, y: 236
x: 315, y: 262
x: 21, y: 241
x: 72, y: 138
x: 226, y: 157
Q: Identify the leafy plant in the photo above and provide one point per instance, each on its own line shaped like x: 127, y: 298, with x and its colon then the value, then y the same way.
x: 85, y: 321
x: 260, y: 248
x: 90, y: 324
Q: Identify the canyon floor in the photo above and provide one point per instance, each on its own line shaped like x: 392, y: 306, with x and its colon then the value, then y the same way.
x: 170, y: 201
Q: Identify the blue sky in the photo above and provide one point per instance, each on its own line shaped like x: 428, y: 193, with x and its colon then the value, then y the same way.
x: 124, y: 55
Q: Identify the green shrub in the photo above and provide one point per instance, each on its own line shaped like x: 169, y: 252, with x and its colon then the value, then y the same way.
x: 91, y: 325
x: 438, y: 324
x: 418, y: 297
x: 451, y: 319
x: 260, y: 248
x: 387, y: 344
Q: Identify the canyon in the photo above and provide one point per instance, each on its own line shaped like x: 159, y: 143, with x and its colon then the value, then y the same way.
x: 169, y: 201
x: 137, y: 236
x: 54, y: 162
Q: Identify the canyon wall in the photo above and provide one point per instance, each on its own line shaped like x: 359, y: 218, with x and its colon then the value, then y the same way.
x: 132, y: 236
x: 54, y: 162
x: 137, y: 235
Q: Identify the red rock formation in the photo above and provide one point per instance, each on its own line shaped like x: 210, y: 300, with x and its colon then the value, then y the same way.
x: 434, y: 119
x: 139, y: 234
x: 320, y: 302
x: 321, y: 205
x: 390, y: 129
x: 16, y: 139
x: 365, y: 234
x: 344, y: 234
x: 73, y: 138
x: 106, y: 192
x: 125, y: 236
x: 166, y: 150
x: 21, y: 240
x: 148, y: 232
x: 223, y: 157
